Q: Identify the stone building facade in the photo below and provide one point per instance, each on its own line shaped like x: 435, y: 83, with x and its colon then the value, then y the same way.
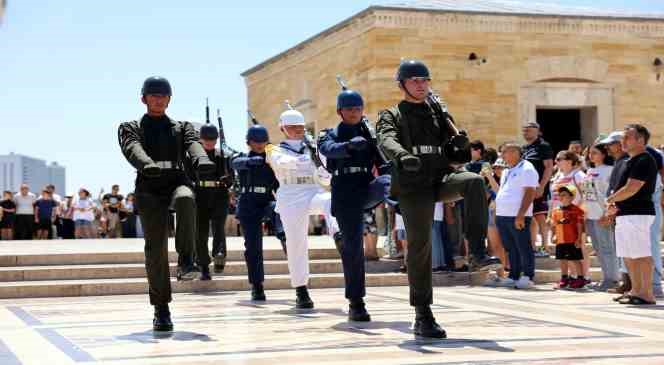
x: 578, y: 74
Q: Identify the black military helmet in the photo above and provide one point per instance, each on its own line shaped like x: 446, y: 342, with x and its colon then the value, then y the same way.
x: 156, y: 85
x: 257, y: 133
x: 349, y: 99
x: 457, y: 149
x: 209, y: 131
x: 412, y: 69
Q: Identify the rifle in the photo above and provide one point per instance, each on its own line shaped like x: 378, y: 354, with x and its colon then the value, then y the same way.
x: 222, y: 136
x: 254, y: 121
x: 310, y: 143
x: 366, y: 127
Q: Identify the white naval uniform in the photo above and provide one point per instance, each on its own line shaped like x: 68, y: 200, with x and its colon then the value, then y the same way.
x: 300, y: 194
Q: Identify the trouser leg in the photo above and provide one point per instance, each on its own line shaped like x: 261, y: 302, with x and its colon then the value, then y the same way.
x: 417, y: 209
x: 656, y: 248
x: 202, y: 235
x: 437, y: 249
x: 253, y: 248
x: 219, y: 232
x: 352, y: 254
x: 154, y: 218
x: 508, y: 236
x: 471, y: 188
x: 296, y: 227
x: 185, y: 231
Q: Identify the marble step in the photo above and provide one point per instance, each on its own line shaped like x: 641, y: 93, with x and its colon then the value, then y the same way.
x: 124, y: 271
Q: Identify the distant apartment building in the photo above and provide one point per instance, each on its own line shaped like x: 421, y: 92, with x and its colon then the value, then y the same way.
x: 16, y: 169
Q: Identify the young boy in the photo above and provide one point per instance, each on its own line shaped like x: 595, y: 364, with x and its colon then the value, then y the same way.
x: 568, y: 221
x: 44, y: 214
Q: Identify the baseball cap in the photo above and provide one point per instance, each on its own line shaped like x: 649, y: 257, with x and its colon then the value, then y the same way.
x: 614, y: 137
x: 500, y: 163
x: 568, y: 188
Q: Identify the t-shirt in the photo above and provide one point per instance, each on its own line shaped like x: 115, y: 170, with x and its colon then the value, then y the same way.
x: 618, y: 170
x: 659, y: 161
x: 565, y: 221
x: 25, y: 204
x: 593, y: 191
x: 7, y: 204
x: 513, y: 183
x: 536, y: 153
x: 439, y: 212
x: 114, y: 201
x: 88, y: 214
x: 573, y: 178
x: 640, y: 167
x: 46, y: 207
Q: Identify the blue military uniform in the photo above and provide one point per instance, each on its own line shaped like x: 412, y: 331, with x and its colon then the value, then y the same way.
x: 257, y: 185
x: 352, y: 153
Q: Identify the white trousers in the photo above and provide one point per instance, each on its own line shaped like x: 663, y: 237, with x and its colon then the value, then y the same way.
x: 295, y: 219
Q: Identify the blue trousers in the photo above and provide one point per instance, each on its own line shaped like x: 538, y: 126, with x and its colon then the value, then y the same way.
x: 351, y: 223
x: 252, y: 230
x: 439, y: 246
x: 517, y: 244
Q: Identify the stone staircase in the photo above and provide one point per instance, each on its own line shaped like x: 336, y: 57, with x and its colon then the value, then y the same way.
x: 112, y: 267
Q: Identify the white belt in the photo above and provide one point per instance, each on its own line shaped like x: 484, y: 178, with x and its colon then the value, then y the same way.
x: 299, y: 180
x: 209, y: 184
x: 350, y: 170
x: 254, y: 189
x: 427, y: 150
x: 165, y: 164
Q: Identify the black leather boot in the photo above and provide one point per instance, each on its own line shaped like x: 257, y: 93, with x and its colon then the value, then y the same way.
x: 303, y: 301
x: 219, y: 263
x: 162, y: 318
x: 485, y: 263
x: 205, y: 273
x: 425, y: 324
x: 257, y: 292
x: 339, y: 241
x: 357, y: 311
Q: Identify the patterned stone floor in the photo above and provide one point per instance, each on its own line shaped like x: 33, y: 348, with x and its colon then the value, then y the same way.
x: 485, y: 326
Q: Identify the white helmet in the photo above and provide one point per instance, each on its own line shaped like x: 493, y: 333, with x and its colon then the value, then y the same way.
x: 291, y: 117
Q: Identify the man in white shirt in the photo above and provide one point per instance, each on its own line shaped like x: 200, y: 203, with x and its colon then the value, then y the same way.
x: 25, y: 213
x: 514, y: 212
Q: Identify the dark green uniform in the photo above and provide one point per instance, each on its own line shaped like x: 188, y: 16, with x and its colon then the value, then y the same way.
x: 165, y: 143
x: 411, y: 129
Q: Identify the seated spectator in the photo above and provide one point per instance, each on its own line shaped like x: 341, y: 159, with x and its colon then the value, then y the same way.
x: 84, y: 215
x: 631, y: 203
x: 45, y: 214
x: 8, y: 213
x: 514, y: 211
x: 567, y: 221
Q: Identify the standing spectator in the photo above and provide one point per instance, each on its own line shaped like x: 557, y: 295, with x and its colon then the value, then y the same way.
x: 594, y: 190
x: 514, y: 211
x: 495, y: 243
x: 113, y: 205
x: 25, y: 213
x: 632, y: 204
x: 567, y: 221
x: 131, y: 219
x: 84, y: 215
x: 57, y: 223
x: 577, y: 147
x: 656, y: 229
x: 45, y: 214
x: 401, y: 237
x: 477, y: 162
x: 569, y: 173
x: 540, y: 154
x: 68, y: 225
x: 370, y: 236
x: 490, y: 155
x: 8, y: 210
x: 438, y: 238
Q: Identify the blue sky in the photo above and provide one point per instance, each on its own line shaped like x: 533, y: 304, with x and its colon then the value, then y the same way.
x: 70, y: 71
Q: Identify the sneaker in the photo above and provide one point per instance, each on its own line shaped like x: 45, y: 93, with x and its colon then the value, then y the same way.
x: 524, y: 282
x: 498, y: 282
x: 577, y: 283
x: 542, y: 252
x: 492, y: 281
x: 563, y: 283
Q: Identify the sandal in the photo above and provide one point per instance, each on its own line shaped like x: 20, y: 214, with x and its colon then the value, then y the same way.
x: 626, y: 299
x: 634, y: 300
x: 617, y: 299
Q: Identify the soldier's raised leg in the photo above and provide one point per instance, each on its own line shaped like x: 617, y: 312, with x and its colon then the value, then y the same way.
x: 185, y: 230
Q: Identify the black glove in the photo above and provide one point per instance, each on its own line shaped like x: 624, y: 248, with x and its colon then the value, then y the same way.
x: 411, y: 163
x: 151, y: 170
x: 256, y: 161
x: 206, y: 168
x: 358, y: 143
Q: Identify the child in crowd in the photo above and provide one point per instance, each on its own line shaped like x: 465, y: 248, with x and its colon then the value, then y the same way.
x: 44, y: 214
x: 567, y: 220
x: 8, y: 214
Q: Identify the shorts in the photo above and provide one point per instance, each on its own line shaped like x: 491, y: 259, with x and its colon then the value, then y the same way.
x: 45, y: 224
x: 401, y: 234
x: 540, y: 206
x: 568, y: 251
x: 633, y: 236
x: 370, y: 226
x: 7, y: 222
x: 82, y: 223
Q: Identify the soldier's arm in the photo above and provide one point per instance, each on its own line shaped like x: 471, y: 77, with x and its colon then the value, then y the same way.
x: 130, y: 144
x: 331, y: 149
x: 193, y: 146
x: 387, y: 132
x: 240, y: 162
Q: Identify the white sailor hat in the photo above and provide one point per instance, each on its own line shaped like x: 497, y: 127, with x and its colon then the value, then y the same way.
x: 291, y: 117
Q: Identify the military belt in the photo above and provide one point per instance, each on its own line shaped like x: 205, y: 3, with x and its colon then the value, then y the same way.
x: 299, y: 180
x: 209, y: 184
x: 166, y: 164
x: 427, y: 150
x: 254, y: 189
x: 350, y: 170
